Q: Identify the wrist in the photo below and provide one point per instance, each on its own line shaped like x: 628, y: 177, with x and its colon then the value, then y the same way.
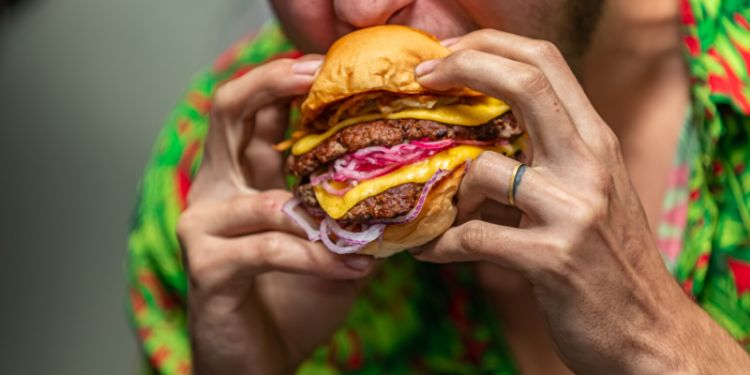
x: 686, y: 340
x: 232, y: 340
x: 663, y: 342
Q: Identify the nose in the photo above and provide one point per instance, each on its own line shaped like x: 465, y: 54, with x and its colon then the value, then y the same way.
x: 364, y: 13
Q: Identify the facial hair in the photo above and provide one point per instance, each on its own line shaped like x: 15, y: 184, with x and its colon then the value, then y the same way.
x: 578, y: 24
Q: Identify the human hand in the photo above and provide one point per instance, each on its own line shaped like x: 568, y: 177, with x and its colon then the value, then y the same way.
x: 583, y: 241
x: 254, y: 277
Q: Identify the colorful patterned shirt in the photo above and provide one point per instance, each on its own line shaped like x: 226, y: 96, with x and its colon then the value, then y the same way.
x: 423, y: 318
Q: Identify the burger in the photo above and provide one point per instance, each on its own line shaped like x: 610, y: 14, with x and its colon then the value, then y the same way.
x: 378, y: 158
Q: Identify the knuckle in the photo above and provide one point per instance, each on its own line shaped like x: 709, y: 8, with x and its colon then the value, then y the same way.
x: 245, y: 205
x: 562, y: 265
x: 187, y: 223
x: 472, y: 236
x: 561, y: 261
x: 269, y: 204
x: 545, y: 50
x: 483, y: 161
x: 553, y: 264
x: 478, y: 167
x: 603, y: 184
x: 610, y: 142
x: 558, y: 244
x: 279, y: 65
x: 589, y: 215
x: 242, y: 206
x: 584, y: 216
x: 531, y: 81
x: 462, y: 58
x: 484, y: 36
x: 200, y: 259
x: 269, y: 247
x: 225, y: 97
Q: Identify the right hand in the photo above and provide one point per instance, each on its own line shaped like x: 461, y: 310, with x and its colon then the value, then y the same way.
x: 261, y: 297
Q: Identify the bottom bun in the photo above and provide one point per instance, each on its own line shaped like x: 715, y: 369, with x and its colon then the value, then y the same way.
x: 438, y: 214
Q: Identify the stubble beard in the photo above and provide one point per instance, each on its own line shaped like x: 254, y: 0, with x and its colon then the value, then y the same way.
x: 579, y: 21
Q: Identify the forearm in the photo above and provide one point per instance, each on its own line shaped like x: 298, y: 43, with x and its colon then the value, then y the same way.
x: 711, y: 349
x: 686, y: 340
x: 236, y: 340
x: 272, y: 332
x: 292, y: 299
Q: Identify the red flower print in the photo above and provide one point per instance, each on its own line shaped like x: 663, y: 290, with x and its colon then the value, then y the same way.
x: 741, y: 271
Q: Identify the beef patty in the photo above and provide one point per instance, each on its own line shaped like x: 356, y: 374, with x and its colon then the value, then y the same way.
x: 392, y: 132
x: 396, y: 201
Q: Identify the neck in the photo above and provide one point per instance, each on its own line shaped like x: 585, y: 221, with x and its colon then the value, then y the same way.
x: 635, y: 61
x: 636, y: 78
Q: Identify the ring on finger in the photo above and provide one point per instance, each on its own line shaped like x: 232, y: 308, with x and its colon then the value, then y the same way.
x: 515, y: 180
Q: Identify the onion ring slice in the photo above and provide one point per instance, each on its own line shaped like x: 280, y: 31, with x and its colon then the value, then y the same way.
x: 288, y: 208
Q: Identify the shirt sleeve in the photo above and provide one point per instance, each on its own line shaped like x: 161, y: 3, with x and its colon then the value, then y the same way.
x: 714, y: 264
x: 156, y: 280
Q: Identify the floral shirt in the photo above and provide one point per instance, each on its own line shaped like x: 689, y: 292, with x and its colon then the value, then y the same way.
x: 423, y: 318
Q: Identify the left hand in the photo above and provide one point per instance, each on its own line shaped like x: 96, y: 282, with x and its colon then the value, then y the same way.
x: 583, y: 241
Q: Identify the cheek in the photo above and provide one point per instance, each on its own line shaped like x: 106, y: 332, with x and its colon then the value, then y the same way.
x: 297, y: 16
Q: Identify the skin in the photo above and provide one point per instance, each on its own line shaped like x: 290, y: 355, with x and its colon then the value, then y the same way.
x: 578, y: 283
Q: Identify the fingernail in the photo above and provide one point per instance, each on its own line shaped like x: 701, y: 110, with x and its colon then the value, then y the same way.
x: 426, y: 67
x: 306, y: 67
x: 358, y: 263
x: 450, y: 41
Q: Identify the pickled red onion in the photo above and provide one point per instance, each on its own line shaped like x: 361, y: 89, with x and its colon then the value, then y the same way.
x: 334, y: 191
x: 371, y: 233
x: 433, y: 145
x: 338, y: 249
x: 288, y: 208
x: 375, y: 161
x: 414, y: 212
x: 349, y: 242
x: 318, y: 179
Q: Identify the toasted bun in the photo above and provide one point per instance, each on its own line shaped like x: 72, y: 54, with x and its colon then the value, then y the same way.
x: 438, y: 214
x: 380, y: 58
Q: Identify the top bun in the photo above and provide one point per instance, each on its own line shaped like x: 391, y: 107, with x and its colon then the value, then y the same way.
x: 380, y: 58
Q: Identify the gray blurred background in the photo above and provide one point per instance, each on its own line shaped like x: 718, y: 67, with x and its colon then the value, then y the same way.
x: 84, y: 88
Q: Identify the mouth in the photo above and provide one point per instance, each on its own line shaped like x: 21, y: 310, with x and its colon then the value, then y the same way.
x: 440, y: 20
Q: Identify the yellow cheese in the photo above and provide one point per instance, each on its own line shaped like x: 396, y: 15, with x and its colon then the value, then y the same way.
x: 480, y: 111
x: 420, y: 172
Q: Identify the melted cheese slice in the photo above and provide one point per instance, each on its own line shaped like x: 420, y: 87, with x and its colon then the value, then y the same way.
x: 481, y: 111
x: 419, y: 172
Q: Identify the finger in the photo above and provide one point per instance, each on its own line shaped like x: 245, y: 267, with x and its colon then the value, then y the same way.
x: 490, y: 177
x: 523, y: 86
x: 277, y: 251
x: 246, y: 214
x: 547, y: 57
x: 278, y: 79
x: 542, y: 54
x: 476, y: 240
x: 263, y: 163
x: 233, y: 120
